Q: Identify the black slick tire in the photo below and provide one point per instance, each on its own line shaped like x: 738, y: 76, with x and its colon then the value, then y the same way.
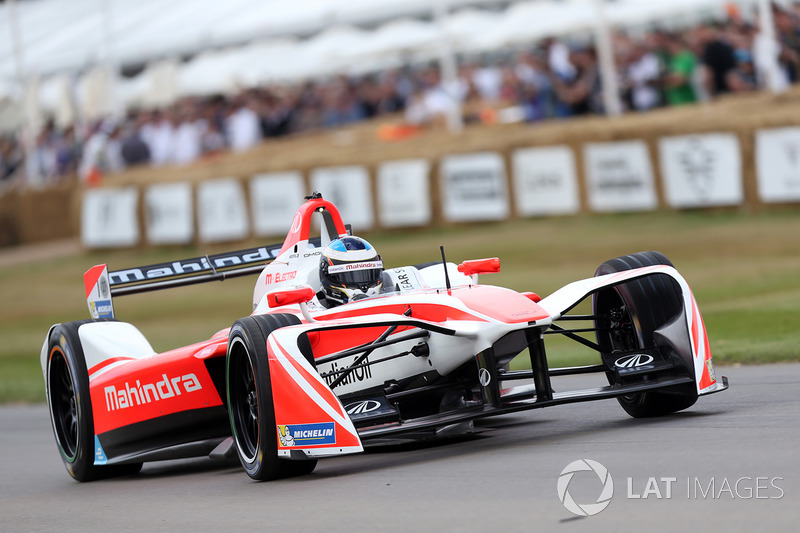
x: 70, y: 405
x: 250, y: 404
x: 641, y: 307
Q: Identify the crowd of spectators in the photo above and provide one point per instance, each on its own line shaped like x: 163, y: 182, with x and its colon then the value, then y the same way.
x: 552, y: 80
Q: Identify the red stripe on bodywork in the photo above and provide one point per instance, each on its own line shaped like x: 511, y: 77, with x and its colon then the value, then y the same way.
x: 326, y: 342
x: 626, y: 273
x: 422, y: 311
x: 91, y: 276
x: 293, y: 405
x: 498, y: 303
x: 705, y: 379
x: 322, y: 390
x: 103, y: 364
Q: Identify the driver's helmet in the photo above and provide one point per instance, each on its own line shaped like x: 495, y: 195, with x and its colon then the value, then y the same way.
x: 349, y: 269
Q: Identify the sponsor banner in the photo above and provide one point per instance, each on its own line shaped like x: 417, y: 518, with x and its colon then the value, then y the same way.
x: 364, y: 265
x: 545, y: 181
x: 221, y: 211
x: 701, y: 170
x: 778, y: 164
x: 274, y: 198
x: 404, y: 193
x: 198, y: 265
x: 109, y: 218
x: 619, y: 177
x: 474, y: 187
x: 168, y: 213
x: 136, y: 394
x: 101, y: 309
x: 302, y: 435
x: 201, y: 265
x: 348, y: 188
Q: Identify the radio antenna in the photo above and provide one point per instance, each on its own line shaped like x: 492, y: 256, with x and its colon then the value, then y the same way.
x: 444, y: 264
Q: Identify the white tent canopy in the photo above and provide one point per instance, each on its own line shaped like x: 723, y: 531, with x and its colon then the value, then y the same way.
x: 60, y: 35
x: 243, y: 43
x: 528, y: 21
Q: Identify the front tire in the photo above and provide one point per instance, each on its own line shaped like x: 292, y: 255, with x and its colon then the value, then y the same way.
x: 70, y: 406
x: 637, y: 309
x: 250, y: 406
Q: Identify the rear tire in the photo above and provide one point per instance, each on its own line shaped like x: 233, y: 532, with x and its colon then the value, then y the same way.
x: 639, y: 308
x: 70, y: 406
x: 250, y: 406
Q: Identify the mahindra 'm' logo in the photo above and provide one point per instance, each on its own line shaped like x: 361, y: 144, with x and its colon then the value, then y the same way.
x: 360, y: 408
x: 633, y: 361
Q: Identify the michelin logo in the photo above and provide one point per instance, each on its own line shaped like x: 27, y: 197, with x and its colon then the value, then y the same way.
x: 300, y: 435
x: 102, y: 309
x: 285, y: 436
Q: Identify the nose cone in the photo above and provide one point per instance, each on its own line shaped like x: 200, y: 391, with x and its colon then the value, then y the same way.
x: 501, y: 304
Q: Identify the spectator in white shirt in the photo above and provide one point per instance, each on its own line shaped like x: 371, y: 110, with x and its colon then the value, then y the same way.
x: 488, y: 82
x: 188, y: 135
x: 161, y: 138
x: 643, y: 73
x: 243, y: 126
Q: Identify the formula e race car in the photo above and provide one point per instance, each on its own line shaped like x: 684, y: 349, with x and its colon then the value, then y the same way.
x: 340, y: 353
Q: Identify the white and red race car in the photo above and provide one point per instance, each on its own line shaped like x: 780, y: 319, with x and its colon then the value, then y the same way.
x: 297, y: 381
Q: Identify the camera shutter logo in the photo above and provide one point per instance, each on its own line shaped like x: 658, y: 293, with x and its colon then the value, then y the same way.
x: 585, y: 509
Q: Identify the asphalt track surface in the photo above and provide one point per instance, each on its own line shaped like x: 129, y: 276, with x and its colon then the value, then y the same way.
x: 503, y: 480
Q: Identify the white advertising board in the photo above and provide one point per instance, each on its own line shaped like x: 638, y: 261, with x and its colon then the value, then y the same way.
x: 404, y: 193
x: 474, y: 187
x: 221, y: 211
x: 778, y: 164
x: 619, y: 177
x: 274, y: 198
x: 701, y: 170
x: 545, y: 181
x: 349, y: 190
x: 109, y: 218
x: 168, y: 213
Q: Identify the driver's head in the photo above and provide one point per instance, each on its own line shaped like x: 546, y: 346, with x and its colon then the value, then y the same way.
x: 349, y: 269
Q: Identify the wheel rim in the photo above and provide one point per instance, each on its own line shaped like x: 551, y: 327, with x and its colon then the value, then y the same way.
x: 621, y: 335
x: 244, y: 402
x: 63, y: 404
x: 623, y: 332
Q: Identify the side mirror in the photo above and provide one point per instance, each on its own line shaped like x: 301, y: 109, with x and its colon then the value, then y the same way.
x: 289, y: 296
x: 480, y: 266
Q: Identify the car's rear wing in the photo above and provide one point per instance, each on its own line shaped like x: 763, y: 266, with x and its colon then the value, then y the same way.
x: 215, y: 267
x: 101, y: 284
